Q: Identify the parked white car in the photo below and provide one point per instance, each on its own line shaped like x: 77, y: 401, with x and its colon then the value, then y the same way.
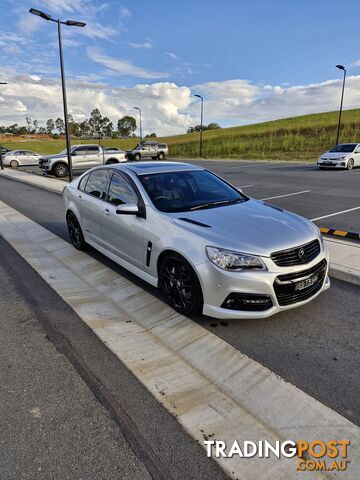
x: 344, y: 155
x: 16, y: 158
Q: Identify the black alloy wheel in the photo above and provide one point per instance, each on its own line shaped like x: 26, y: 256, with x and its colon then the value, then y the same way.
x: 75, y: 232
x: 180, y: 285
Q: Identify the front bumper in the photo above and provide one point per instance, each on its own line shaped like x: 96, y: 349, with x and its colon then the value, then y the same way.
x: 218, y: 285
x: 332, y: 164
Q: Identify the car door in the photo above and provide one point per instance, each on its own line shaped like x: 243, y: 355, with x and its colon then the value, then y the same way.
x: 19, y: 155
x: 90, y: 202
x: 123, y: 234
x: 357, y: 156
x: 94, y: 156
x: 30, y: 158
x: 79, y: 158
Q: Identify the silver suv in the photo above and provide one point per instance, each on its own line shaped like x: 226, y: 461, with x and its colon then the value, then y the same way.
x: 152, y: 150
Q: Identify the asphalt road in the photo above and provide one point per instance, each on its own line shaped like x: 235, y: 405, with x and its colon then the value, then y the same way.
x: 316, y: 347
x: 325, y: 195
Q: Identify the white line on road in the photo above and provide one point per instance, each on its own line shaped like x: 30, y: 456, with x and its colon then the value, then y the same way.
x: 245, y: 186
x: 336, y: 213
x: 286, y: 195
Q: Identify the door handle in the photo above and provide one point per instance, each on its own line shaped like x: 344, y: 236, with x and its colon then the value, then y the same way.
x: 107, y: 211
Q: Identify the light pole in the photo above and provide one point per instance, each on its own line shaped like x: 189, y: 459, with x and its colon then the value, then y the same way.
x: 137, y: 108
x: 1, y: 160
x: 69, y: 23
x: 201, y: 123
x: 341, y: 67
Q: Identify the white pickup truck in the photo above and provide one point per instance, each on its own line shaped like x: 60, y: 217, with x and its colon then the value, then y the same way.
x: 83, y: 157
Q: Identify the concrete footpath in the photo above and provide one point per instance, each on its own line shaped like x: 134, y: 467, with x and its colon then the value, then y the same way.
x: 344, y: 254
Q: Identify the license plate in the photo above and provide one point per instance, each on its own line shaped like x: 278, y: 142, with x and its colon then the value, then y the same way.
x: 327, y: 163
x: 309, y: 282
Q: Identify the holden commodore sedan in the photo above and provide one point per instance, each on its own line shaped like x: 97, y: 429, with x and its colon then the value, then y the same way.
x: 209, y: 247
x: 344, y: 155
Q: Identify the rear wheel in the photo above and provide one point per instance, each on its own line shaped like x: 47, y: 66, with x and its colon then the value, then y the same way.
x: 350, y: 164
x: 14, y: 164
x: 75, y: 232
x: 180, y: 285
x: 161, y: 156
x: 111, y: 161
x: 61, y: 170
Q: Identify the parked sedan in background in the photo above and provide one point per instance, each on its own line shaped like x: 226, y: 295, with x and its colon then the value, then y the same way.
x: 344, y: 155
x: 16, y: 158
x: 209, y: 247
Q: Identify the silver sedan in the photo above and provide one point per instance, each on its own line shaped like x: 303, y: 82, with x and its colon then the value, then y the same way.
x: 16, y: 158
x: 209, y: 247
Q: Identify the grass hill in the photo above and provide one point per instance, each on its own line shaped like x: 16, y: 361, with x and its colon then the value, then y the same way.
x: 296, y: 138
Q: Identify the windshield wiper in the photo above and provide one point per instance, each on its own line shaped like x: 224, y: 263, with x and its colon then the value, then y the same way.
x: 216, y: 204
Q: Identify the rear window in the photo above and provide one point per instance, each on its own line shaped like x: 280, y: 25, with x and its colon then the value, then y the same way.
x: 162, y: 145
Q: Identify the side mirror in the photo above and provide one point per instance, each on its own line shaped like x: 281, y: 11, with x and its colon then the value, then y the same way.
x: 74, y: 152
x: 128, y: 209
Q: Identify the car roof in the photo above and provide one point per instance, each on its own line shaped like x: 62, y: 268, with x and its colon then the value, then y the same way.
x: 141, y: 168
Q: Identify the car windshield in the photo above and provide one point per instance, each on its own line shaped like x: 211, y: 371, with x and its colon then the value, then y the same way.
x: 346, y: 147
x: 189, y: 190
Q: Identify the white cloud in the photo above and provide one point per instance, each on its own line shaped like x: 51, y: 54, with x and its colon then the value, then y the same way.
x: 125, y: 12
x: 28, y: 24
x: 172, y: 55
x: 124, y: 67
x: 167, y: 107
x: 146, y: 45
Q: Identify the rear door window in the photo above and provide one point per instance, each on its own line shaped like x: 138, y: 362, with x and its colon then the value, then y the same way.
x: 121, y: 192
x: 97, y: 184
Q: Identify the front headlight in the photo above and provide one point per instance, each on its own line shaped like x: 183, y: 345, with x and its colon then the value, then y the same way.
x: 234, y: 261
x: 342, y: 158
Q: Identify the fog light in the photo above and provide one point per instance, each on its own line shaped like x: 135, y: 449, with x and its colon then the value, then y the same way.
x: 247, y: 302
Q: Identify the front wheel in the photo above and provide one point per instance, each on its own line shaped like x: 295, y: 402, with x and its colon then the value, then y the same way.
x: 61, y: 170
x: 14, y: 164
x: 137, y: 157
x: 75, y: 232
x: 161, y: 156
x: 350, y: 164
x: 180, y: 285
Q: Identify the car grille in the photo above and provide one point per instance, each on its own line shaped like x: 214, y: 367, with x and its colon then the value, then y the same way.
x: 298, y: 255
x: 285, y: 285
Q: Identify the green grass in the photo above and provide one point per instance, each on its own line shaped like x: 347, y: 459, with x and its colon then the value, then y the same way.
x: 297, y: 138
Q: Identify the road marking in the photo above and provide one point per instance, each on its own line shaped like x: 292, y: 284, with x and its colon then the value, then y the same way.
x: 245, y: 186
x: 336, y: 213
x: 209, y: 386
x: 286, y: 195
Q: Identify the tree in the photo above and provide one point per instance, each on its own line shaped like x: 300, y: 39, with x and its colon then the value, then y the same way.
x: 126, y: 126
x: 23, y: 130
x: 29, y: 123
x: 74, y: 128
x: 50, y: 125
x: 84, y: 129
x: 213, y: 126
x: 36, y: 125
x: 60, y: 127
x: 42, y: 130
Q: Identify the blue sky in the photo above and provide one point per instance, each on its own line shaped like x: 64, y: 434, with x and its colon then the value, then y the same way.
x: 252, y: 60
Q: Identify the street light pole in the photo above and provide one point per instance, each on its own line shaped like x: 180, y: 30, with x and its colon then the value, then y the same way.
x: 137, y: 108
x: 340, y: 67
x: 66, y: 121
x: 201, y: 123
x: 1, y: 159
x: 69, y: 23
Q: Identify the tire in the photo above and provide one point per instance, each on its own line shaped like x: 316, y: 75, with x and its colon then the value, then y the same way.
x: 161, y: 156
x: 14, y: 164
x: 137, y: 157
x: 60, y: 170
x: 154, y: 158
x: 350, y: 164
x: 176, y: 272
x: 75, y: 232
x: 111, y: 161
